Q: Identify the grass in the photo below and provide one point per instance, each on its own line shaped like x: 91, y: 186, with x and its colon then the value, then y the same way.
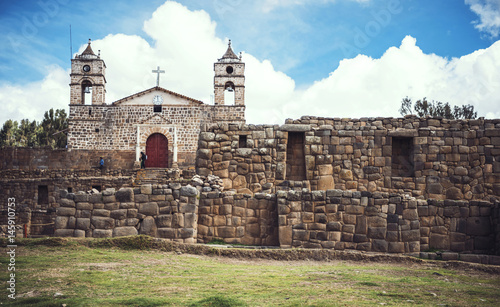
x: 131, y: 272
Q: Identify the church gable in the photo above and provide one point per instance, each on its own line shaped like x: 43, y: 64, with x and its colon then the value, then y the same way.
x: 157, y: 95
x: 156, y: 119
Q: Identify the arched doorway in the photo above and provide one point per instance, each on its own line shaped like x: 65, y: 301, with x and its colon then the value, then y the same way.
x: 157, y: 151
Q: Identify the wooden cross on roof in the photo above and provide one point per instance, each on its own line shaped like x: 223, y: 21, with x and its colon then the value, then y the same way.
x: 158, y: 72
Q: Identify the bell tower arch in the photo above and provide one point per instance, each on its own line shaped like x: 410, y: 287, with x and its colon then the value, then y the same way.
x: 229, y: 77
x: 88, y: 82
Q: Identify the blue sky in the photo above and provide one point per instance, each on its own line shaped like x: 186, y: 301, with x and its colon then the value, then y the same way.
x: 304, y: 48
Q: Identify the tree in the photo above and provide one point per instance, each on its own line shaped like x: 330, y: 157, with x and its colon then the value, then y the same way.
x: 437, y: 109
x: 50, y: 131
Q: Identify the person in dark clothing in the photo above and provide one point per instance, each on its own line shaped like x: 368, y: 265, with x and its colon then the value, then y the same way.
x: 101, y: 163
x: 143, y: 159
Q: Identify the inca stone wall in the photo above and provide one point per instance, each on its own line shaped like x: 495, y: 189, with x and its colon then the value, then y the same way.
x: 166, y: 211
x: 422, y: 157
x: 385, y: 222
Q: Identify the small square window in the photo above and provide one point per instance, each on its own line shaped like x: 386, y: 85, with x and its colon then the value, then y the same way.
x: 242, y: 143
x: 157, y: 109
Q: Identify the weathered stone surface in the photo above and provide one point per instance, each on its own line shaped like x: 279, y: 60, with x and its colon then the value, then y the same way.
x: 100, y: 222
x: 65, y: 211
x: 83, y: 223
x: 125, y: 195
x: 124, y: 231
x: 148, y: 227
x: 64, y: 232
x: 189, y: 191
x: 102, y: 233
x: 479, y: 226
x: 151, y: 209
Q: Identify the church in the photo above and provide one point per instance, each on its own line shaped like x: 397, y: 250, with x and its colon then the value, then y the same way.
x: 163, y: 124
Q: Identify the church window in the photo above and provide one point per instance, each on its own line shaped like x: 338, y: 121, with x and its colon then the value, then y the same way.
x: 97, y: 130
x: 229, y: 93
x: 157, y: 109
x: 86, y: 92
x: 402, y: 157
x: 229, y: 69
x: 43, y: 195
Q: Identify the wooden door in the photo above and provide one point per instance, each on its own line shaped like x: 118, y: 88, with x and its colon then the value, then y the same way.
x: 157, y: 151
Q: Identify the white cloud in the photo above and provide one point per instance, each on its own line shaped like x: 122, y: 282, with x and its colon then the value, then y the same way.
x: 489, y: 15
x: 363, y: 87
x: 33, y: 99
x: 186, y: 46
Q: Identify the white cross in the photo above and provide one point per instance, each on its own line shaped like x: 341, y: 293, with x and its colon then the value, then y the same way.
x: 158, y: 72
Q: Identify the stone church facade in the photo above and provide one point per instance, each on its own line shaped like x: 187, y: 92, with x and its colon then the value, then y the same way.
x: 163, y: 124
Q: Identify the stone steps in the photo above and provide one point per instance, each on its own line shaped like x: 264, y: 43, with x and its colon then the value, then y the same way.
x: 145, y: 176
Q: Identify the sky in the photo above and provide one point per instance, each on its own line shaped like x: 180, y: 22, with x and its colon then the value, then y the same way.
x: 329, y: 58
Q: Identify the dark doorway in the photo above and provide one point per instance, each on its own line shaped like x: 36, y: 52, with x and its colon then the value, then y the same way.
x: 157, y: 151
x: 402, y: 157
x: 43, y: 195
x: 295, y: 158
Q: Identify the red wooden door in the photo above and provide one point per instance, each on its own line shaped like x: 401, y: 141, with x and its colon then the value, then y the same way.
x: 157, y: 151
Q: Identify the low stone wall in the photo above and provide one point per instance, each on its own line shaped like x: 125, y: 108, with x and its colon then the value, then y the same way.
x: 238, y: 218
x: 165, y: 211
x: 384, y: 222
x: 28, y: 159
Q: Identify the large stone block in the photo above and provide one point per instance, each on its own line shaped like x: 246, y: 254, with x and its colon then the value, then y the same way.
x: 83, y: 223
x: 148, y: 227
x: 377, y: 232
x: 119, y: 214
x: 150, y: 209
x: 124, y: 231
x: 410, y: 235
x: 64, y: 232
x: 65, y: 211
x: 102, y: 233
x: 61, y: 222
x: 478, y: 226
x: 64, y: 202
x: 396, y: 247
x: 125, y: 195
x: 100, y: 222
x: 439, y: 241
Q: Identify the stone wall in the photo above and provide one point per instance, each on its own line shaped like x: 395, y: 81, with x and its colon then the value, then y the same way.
x: 422, y: 157
x: 238, y: 218
x: 165, y: 211
x: 33, y: 159
x: 384, y: 222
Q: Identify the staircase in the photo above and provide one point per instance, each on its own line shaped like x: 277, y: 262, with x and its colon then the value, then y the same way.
x: 152, y: 176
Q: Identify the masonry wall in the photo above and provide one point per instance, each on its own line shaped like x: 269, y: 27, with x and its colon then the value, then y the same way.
x: 384, y: 222
x: 457, y: 160
x: 37, y: 159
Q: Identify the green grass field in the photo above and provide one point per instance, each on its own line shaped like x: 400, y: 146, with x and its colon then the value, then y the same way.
x: 100, y: 273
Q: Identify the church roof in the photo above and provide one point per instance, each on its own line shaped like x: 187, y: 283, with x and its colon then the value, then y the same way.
x: 88, y: 50
x: 156, y: 88
x: 229, y: 53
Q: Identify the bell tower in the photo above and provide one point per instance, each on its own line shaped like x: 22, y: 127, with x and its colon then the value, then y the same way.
x: 229, y: 78
x: 88, y: 84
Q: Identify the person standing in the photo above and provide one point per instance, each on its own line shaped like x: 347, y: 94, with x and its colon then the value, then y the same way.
x: 101, y: 163
x: 143, y: 159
